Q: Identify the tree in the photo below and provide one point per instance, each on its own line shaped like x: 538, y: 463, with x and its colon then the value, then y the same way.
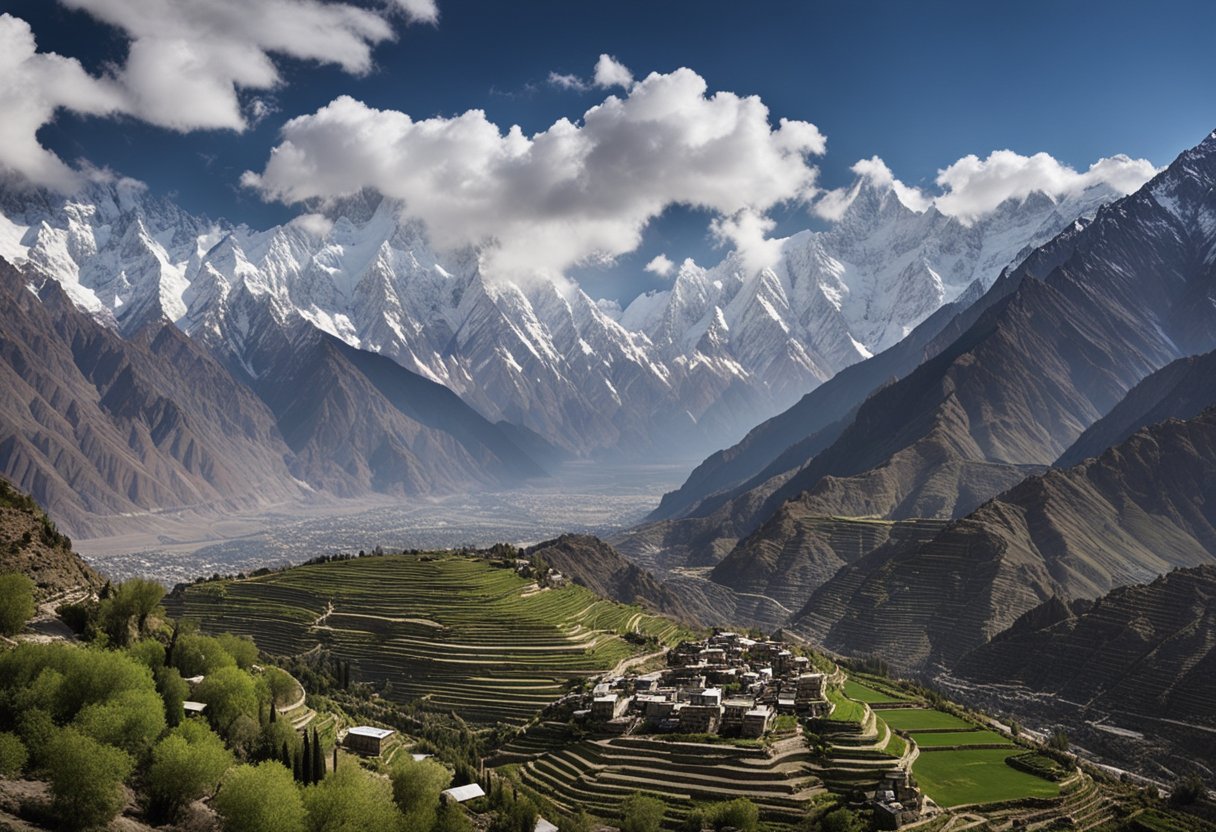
x: 449, y: 818
x: 195, y: 654
x: 16, y: 602
x: 352, y: 800
x: 416, y: 788
x: 1189, y: 789
x: 130, y: 605
x: 86, y: 779
x: 259, y: 798
x: 283, y: 687
x: 242, y: 649
x: 577, y: 823
x: 131, y: 720
x: 740, y: 814
x: 173, y: 692
x: 186, y: 765
x: 306, y: 761
x: 318, y: 758
x: 149, y: 652
x: 1058, y: 740
x: 641, y: 813
x: 841, y: 820
x: 229, y: 692
x: 13, y: 755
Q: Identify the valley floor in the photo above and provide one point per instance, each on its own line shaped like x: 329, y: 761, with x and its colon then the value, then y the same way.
x: 584, y: 496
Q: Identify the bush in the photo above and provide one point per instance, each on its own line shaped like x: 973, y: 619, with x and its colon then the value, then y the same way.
x: 16, y: 603
x: 1189, y: 789
x: 641, y: 813
x: 229, y: 693
x: 13, y: 755
x: 416, y: 788
x: 260, y: 798
x: 132, y: 721
x: 149, y: 652
x: 242, y: 649
x: 351, y: 800
x: 841, y: 820
x: 198, y: 655
x: 127, y: 610
x: 173, y: 692
x: 740, y: 813
x: 86, y: 779
x: 186, y: 765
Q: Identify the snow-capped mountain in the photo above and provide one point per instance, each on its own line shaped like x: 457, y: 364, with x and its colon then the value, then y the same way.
x: 677, y: 370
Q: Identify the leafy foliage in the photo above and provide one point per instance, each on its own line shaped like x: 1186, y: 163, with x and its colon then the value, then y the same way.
x: 16, y: 602
x: 260, y: 798
x: 86, y: 779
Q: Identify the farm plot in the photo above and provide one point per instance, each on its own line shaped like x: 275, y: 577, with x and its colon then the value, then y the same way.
x: 454, y: 633
x: 947, y: 739
x: 872, y: 695
x: 954, y: 778
x: 923, y: 719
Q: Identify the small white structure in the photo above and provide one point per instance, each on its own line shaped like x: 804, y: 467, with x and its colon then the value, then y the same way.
x: 366, y: 739
x: 543, y: 825
x: 194, y: 708
x: 460, y: 794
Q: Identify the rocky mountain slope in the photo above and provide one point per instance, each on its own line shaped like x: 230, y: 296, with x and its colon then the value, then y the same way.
x: 1005, y: 387
x: 32, y: 545
x: 675, y: 372
x: 107, y: 431
x: 1139, y: 510
x: 1148, y: 650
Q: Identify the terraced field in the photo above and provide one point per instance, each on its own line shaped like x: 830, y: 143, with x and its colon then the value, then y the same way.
x: 454, y: 633
x: 979, y: 775
x: 923, y: 719
x: 872, y: 694
x: 599, y: 774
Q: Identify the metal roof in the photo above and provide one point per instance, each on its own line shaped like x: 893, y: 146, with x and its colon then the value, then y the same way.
x: 369, y: 731
x: 462, y: 793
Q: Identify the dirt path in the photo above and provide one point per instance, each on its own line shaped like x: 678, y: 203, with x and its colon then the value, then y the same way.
x: 634, y: 661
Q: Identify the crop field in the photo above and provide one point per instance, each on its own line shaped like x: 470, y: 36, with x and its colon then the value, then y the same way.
x: 945, y: 739
x: 865, y: 693
x: 454, y: 633
x: 846, y: 709
x: 954, y: 778
x: 598, y: 775
x: 923, y: 719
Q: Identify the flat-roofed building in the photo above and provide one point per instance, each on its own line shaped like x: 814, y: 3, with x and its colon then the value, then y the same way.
x: 367, y: 739
x: 756, y: 721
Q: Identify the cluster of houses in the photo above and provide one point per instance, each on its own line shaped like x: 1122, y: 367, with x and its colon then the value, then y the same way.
x: 727, y: 684
x: 897, y: 801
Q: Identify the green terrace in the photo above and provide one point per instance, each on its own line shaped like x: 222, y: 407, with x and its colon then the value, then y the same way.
x: 454, y: 633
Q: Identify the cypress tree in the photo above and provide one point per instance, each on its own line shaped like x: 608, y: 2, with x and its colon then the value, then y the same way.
x: 318, y: 758
x: 274, y: 713
x: 286, y: 758
x: 306, y: 762
x: 297, y: 768
x: 335, y: 766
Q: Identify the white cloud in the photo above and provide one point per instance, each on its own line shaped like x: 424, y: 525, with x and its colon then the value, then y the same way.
x: 660, y: 265
x: 975, y: 186
x: 609, y: 72
x: 568, y: 81
x: 747, y: 230
x: 188, y: 59
x: 420, y: 11
x: 571, y: 193
x: 832, y: 204
x: 34, y: 86
x: 318, y: 225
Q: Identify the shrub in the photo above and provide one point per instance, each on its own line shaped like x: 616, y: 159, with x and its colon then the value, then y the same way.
x: 242, y: 649
x: 260, y: 798
x: 131, y: 720
x: 186, y: 765
x: 351, y: 800
x: 841, y: 820
x: 13, y: 755
x: 86, y: 779
x: 229, y: 693
x: 740, y: 813
x: 198, y: 655
x: 173, y: 692
x: 16, y: 603
x: 416, y: 788
x: 641, y: 813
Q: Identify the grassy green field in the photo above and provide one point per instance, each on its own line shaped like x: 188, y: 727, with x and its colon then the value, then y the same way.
x: 865, y: 693
x: 455, y: 633
x: 953, y: 778
x: 846, y: 709
x: 937, y: 739
x: 922, y: 719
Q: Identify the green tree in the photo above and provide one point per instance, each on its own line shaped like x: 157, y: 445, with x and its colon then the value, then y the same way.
x: 36, y: 729
x: 86, y: 779
x: 641, y: 813
x: 740, y: 813
x: 125, y: 613
x: 416, y: 788
x: 229, y: 692
x: 195, y: 654
x: 186, y: 765
x: 13, y: 755
x: 841, y: 820
x: 131, y: 720
x: 284, y: 690
x: 16, y: 602
x: 242, y: 649
x: 1189, y: 789
x: 449, y: 818
x: 577, y: 823
x: 173, y: 692
x: 149, y: 652
x: 1058, y: 740
x: 259, y: 798
x: 352, y: 800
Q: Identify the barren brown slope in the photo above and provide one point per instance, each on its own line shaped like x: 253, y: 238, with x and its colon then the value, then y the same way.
x: 102, y: 430
x: 1148, y: 650
x: 1139, y: 510
x: 32, y: 545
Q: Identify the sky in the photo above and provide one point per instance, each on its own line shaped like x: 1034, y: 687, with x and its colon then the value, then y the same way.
x: 919, y: 85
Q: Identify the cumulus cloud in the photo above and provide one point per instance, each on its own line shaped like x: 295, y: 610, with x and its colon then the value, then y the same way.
x: 609, y: 72
x: 832, y: 204
x: 974, y: 186
x: 569, y: 194
x: 318, y: 225
x: 660, y: 265
x: 748, y: 230
x: 34, y: 86
x: 188, y: 59
x: 420, y: 11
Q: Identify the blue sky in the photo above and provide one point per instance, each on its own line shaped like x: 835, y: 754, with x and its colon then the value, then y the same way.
x: 918, y: 84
